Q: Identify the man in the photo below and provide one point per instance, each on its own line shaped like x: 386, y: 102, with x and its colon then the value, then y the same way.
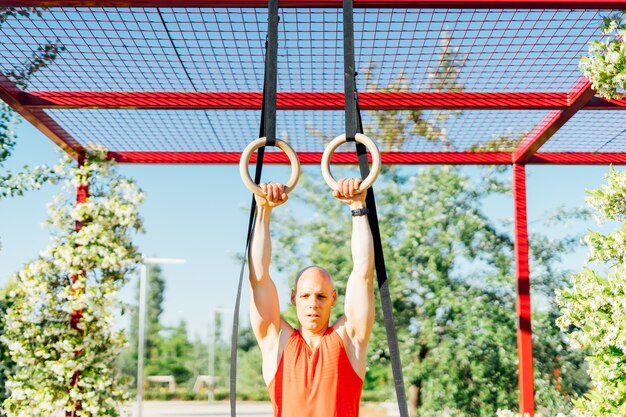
x: 315, y: 370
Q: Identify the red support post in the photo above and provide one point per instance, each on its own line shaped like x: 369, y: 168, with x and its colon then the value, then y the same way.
x: 524, y: 330
x: 82, y: 192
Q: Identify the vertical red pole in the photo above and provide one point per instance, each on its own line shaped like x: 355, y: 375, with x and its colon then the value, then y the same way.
x: 524, y: 330
x: 82, y: 192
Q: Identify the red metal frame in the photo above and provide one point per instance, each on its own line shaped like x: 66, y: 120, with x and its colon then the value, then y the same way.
x: 300, y: 100
x: 553, y: 122
x: 378, y: 4
x: 406, y: 158
x: 11, y: 95
x: 524, y: 331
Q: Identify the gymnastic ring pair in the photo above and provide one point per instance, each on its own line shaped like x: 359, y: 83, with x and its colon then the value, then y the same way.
x: 295, y: 163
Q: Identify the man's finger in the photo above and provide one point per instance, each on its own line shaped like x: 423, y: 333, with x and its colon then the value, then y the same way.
x: 340, y: 186
x: 346, y: 188
x: 351, y: 187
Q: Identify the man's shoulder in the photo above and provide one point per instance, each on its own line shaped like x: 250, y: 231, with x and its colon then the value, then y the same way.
x: 340, y: 327
x: 285, y: 327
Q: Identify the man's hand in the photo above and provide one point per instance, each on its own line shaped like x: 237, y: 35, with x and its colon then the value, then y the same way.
x: 274, y: 195
x: 346, y: 192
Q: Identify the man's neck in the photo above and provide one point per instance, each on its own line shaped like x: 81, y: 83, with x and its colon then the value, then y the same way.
x: 312, y: 338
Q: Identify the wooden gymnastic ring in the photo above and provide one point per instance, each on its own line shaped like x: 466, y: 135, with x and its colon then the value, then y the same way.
x: 245, y: 158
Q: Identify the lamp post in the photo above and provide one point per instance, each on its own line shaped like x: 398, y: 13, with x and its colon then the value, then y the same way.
x: 211, y: 377
x: 143, y: 284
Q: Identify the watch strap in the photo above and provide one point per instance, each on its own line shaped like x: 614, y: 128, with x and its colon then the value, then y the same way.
x: 360, y: 212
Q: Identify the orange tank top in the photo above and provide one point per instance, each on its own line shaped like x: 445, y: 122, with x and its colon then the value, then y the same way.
x: 315, y: 383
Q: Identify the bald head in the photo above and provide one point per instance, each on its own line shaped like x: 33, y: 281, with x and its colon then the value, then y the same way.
x: 313, y: 271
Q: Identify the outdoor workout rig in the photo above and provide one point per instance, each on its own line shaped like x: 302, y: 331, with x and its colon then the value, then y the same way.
x: 180, y: 81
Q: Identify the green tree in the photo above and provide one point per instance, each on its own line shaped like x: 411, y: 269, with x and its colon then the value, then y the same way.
x: 173, y: 355
x: 451, y: 281
x: 155, y: 295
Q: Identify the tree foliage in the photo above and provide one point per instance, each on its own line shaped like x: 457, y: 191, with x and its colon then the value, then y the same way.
x: 594, y: 312
x: 17, y: 183
x: 452, y: 286
x: 61, y: 323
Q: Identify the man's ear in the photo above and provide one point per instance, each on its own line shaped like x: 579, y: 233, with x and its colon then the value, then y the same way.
x: 293, y: 297
x: 334, y: 296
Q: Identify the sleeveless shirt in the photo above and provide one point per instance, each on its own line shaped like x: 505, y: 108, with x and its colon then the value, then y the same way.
x: 318, y: 382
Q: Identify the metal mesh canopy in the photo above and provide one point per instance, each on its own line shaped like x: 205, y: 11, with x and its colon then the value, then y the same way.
x: 457, y: 82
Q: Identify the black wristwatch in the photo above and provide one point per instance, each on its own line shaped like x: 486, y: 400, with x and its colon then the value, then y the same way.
x: 360, y: 212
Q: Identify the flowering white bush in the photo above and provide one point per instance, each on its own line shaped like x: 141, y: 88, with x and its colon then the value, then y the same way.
x: 508, y: 413
x: 80, y: 271
x: 605, y: 65
x: 16, y: 184
x: 594, y: 308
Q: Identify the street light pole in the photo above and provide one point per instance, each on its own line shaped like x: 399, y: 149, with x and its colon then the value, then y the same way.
x: 143, y: 287
x: 212, y: 378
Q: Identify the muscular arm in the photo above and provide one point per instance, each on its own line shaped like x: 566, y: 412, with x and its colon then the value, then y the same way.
x: 359, y: 301
x: 358, y: 319
x: 264, y: 304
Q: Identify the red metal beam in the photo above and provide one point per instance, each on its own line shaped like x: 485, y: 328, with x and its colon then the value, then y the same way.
x: 377, y: 4
x: 579, y: 158
x: 461, y: 158
x: 11, y: 95
x: 407, y: 158
x: 580, y: 96
x: 524, y: 329
x: 598, y: 103
x: 294, y: 100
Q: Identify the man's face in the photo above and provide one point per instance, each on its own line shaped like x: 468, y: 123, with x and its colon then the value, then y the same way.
x: 314, y: 298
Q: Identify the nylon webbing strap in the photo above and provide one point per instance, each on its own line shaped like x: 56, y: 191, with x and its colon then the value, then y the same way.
x: 348, y: 69
x: 267, y: 129
x: 354, y: 124
x: 383, y: 283
x: 271, y: 70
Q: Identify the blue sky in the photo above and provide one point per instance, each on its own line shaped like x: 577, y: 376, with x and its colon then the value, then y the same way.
x: 198, y: 213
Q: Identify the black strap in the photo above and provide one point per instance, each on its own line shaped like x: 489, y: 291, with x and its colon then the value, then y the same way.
x: 383, y: 283
x: 267, y: 129
x: 349, y: 72
x: 271, y: 73
x: 354, y: 124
